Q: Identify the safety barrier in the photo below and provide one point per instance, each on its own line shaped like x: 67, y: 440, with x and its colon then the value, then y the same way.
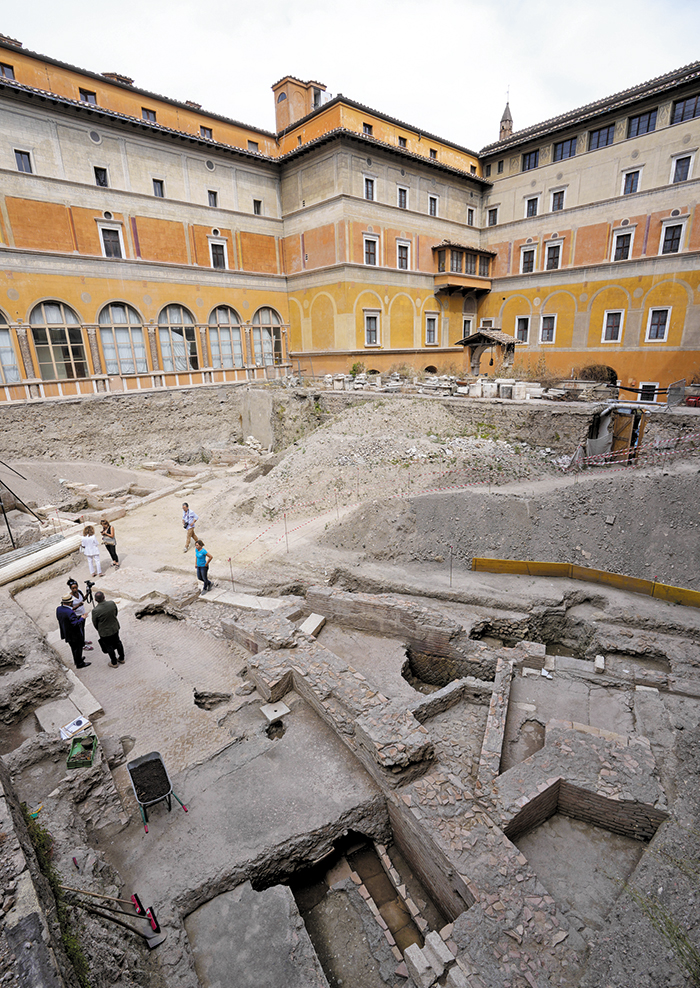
x: 528, y: 567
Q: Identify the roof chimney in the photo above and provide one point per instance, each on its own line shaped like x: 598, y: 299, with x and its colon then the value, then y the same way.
x: 115, y: 77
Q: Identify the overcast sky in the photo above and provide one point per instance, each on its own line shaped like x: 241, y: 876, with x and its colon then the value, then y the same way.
x: 445, y: 67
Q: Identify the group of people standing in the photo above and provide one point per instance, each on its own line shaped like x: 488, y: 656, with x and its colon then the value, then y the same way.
x: 71, y: 612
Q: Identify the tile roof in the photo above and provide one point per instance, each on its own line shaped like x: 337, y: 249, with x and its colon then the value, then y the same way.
x: 687, y: 74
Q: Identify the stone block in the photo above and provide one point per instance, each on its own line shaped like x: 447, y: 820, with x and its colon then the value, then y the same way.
x: 313, y: 624
x: 418, y: 967
x: 437, y: 953
x: 456, y: 978
x: 599, y: 663
x: 274, y: 711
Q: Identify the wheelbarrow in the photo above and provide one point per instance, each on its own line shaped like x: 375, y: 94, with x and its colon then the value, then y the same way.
x: 151, y: 783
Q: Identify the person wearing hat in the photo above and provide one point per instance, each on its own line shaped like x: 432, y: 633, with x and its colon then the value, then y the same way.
x: 71, y: 628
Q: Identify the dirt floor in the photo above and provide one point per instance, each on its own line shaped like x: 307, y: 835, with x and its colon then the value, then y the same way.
x: 376, y: 503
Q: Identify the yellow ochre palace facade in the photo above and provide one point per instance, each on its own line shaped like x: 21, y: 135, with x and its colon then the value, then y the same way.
x: 146, y: 243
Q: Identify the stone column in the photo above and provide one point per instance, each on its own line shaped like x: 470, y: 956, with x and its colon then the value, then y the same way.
x: 99, y: 375
x: 30, y: 377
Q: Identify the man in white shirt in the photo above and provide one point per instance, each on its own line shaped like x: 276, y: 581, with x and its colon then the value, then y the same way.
x: 188, y: 522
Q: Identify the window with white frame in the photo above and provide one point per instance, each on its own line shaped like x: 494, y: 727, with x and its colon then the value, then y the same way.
x: 612, y: 326
x: 672, y: 235
x: 553, y: 256
x: 371, y: 249
x: 369, y: 188
x: 178, y: 339
x: 111, y: 241
x: 558, y: 199
x: 470, y: 217
x: 647, y: 390
x: 267, y: 337
x: 402, y: 197
x: 681, y: 168
x: 58, y: 341
x: 622, y: 245
x: 23, y: 160
x: 432, y: 205
x: 101, y: 177
x: 371, y: 327
x: 9, y: 368
x: 522, y: 328
x: 548, y: 328
x: 122, y: 338
x: 218, y: 253
x: 225, y: 338
x: 466, y: 327
x: 431, y: 329
x: 657, y: 324
x: 532, y: 206
x: 403, y: 255
x: 527, y: 260
x: 631, y: 181
x: 492, y: 216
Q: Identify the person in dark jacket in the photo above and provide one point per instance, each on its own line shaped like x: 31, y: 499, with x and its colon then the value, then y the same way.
x: 71, y: 628
x: 104, y: 617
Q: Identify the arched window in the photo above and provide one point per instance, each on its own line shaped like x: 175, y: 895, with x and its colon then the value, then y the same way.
x: 225, y: 338
x: 267, y: 337
x: 178, y: 340
x: 122, y: 339
x: 58, y: 340
x: 9, y: 371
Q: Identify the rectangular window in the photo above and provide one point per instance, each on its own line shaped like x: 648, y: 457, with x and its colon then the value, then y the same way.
x: 553, y: 257
x: 87, y: 97
x: 149, y: 115
x: 644, y: 123
x: 681, y: 169
x: 206, y: 133
x: 24, y: 162
x: 370, y: 250
x: 466, y: 327
x: 487, y: 171
x: 369, y: 189
x: 218, y: 255
x: 484, y: 264
x: 472, y: 169
x: 213, y: 197
x: 432, y: 205
x: 431, y: 330
x: 6, y: 71
x: 531, y: 207
x: 371, y: 329
x: 9, y: 369
x: 612, y: 327
x: 123, y: 346
x: 656, y: 326
x: 257, y: 207
x: 672, y: 239
x: 499, y: 167
x: 403, y: 142
x: 531, y: 160
x: 527, y: 260
x: 402, y: 199
x: 565, y: 149
x: 433, y: 153
x: 470, y: 263
x: 601, y: 138
x: 493, y: 217
x: 402, y: 256
x: 623, y: 242
x: 456, y: 257
x: 522, y: 328
x: 547, y: 330
x: 631, y: 183
x: 557, y: 201
x: 101, y: 178
x: 253, y: 146
x: 470, y: 217
x: 159, y: 188
x: 686, y: 109
x: 441, y: 260
x: 367, y: 129
x: 111, y: 243
x: 647, y: 391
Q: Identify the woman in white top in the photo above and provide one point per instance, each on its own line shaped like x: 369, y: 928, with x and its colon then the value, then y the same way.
x: 90, y: 547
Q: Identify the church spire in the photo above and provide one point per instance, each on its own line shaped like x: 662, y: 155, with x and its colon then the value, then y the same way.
x: 506, y: 124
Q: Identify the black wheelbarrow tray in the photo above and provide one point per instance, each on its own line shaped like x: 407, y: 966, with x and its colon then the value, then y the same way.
x: 151, y: 783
